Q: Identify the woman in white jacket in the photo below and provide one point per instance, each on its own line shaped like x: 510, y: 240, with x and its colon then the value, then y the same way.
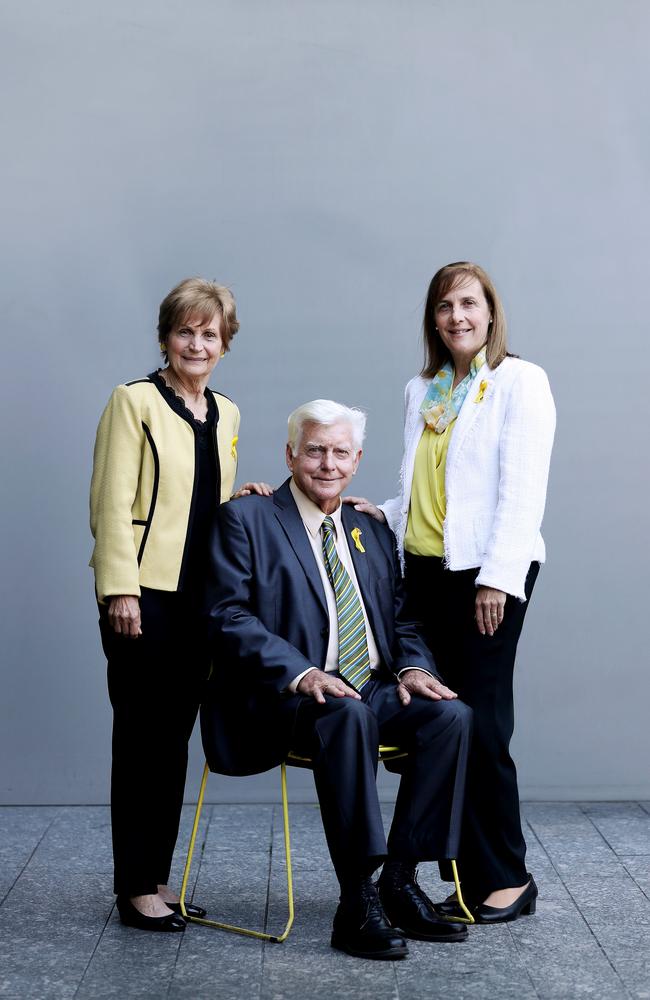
x: 479, y: 428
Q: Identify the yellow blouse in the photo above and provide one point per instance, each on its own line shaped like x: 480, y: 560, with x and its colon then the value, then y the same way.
x: 428, y: 507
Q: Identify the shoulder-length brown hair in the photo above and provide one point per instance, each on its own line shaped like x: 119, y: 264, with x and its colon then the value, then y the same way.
x: 454, y: 276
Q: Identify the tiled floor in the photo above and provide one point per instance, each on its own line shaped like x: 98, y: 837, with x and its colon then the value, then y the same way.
x: 60, y: 937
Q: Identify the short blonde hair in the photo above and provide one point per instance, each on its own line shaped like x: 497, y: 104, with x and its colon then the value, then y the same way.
x: 326, y: 412
x: 455, y: 276
x: 196, y: 296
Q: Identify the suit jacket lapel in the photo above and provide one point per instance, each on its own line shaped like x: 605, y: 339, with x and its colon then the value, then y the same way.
x: 368, y: 572
x: 469, y: 411
x: 288, y: 516
x: 352, y: 522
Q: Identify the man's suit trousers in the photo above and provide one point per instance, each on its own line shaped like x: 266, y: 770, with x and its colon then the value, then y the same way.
x: 342, y: 737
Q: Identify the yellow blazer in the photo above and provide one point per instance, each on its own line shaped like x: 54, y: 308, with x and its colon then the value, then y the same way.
x: 143, y: 484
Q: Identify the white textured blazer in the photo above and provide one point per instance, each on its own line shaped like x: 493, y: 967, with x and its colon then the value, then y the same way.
x: 495, y: 477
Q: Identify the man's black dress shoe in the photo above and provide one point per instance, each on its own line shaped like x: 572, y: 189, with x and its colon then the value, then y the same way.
x: 191, y: 909
x: 133, y: 918
x: 361, y: 929
x: 523, y: 906
x: 408, y: 906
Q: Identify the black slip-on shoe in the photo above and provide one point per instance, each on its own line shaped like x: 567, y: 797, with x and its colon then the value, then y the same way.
x: 524, y: 906
x: 132, y: 917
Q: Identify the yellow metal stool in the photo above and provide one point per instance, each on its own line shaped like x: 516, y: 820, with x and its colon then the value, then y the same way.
x: 386, y: 753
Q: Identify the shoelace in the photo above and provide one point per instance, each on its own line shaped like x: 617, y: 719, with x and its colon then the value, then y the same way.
x: 368, y: 899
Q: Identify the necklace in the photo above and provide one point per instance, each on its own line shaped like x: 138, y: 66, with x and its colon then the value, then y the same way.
x: 197, y: 404
x: 191, y: 399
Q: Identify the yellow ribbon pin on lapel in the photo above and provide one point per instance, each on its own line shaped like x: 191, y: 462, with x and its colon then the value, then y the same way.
x: 356, y: 537
x: 233, y: 447
x: 481, y: 392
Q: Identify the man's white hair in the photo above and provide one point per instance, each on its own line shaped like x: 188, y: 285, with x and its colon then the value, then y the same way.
x: 326, y: 412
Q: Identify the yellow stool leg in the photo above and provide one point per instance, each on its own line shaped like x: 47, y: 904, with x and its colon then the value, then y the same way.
x: 287, y: 847
x: 287, y: 853
x: 190, y: 852
x: 468, y: 918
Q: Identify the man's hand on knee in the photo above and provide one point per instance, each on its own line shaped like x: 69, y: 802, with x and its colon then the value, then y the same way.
x: 417, y: 682
x: 316, y: 684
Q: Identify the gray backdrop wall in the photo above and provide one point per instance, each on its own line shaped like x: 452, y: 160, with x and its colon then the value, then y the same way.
x: 324, y: 158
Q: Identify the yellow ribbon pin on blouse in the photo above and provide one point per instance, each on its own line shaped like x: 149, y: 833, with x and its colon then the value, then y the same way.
x: 233, y: 447
x: 481, y: 392
x: 356, y: 537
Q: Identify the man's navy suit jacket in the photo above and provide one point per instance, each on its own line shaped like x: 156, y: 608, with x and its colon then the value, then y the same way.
x: 269, y: 623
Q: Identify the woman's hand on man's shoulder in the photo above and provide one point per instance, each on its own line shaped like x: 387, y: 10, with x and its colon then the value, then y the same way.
x: 363, y: 505
x: 262, y: 490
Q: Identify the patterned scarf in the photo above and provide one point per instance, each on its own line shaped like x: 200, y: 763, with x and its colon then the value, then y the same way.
x: 440, y: 406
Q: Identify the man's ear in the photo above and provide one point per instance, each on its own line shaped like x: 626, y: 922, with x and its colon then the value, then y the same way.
x: 289, y: 457
x: 357, y: 459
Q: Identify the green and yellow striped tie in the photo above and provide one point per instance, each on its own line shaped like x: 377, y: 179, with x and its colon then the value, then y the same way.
x: 354, y: 662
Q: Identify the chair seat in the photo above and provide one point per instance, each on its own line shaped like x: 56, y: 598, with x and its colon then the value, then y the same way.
x: 386, y: 753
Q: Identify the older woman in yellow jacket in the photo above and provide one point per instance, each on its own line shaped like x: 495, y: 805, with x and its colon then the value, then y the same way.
x: 165, y: 457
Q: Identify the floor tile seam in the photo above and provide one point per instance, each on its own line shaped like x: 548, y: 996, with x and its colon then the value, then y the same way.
x: 633, y: 877
x: 582, y: 916
x: 201, y: 853
x: 26, y: 865
x: 396, y: 995
x: 520, y: 954
x: 600, y: 832
x: 99, y: 939
x: 266, y: 907
x: 94, y: 951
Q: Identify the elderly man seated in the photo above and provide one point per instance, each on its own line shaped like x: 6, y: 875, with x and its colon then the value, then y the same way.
x: 319, y: 656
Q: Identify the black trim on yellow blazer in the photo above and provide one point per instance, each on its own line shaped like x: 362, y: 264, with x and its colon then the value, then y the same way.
x: 154, y: 492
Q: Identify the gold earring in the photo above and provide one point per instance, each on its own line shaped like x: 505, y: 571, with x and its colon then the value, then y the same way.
x: 223, y: 354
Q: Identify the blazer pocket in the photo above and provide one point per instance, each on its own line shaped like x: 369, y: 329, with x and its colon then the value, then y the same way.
x: 481, y: 527
x: 138, y: 537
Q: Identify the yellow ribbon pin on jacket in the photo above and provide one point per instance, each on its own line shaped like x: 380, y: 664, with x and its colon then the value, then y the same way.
x: 233, y: 447
x: 481, y: 392
x: 356, y: 537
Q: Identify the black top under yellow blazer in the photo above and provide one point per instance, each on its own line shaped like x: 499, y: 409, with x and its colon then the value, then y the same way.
x: 143, y: 487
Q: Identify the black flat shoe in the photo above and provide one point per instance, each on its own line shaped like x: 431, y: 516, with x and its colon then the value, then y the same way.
x: 361, y: 928
x: 132, y: 917
x: 523, y: 906
x: 409, y: 907
x: 191, y: 909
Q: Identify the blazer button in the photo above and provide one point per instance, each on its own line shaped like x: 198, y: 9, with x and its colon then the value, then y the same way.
x: 324, y: 631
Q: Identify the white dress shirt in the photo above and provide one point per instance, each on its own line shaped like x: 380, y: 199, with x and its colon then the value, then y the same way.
x: 312, y: 518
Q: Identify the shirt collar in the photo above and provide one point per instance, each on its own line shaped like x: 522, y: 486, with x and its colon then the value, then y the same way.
x: 311, y: 514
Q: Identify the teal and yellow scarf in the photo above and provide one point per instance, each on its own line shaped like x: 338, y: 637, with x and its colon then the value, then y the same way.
x: 440, y: 406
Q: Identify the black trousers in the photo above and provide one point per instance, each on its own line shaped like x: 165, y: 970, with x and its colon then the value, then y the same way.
x: 155, y: 684
x: 480, y: 668
x: 342, y: 737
